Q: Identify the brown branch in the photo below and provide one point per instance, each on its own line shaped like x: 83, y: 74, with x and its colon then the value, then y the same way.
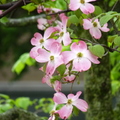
x: 12, y: 6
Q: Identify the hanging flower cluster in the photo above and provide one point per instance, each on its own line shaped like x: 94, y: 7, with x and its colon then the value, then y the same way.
x: 62, y: 66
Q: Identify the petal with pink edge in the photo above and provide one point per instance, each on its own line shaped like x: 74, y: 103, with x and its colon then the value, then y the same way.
x: 33, y: 52
x: 75, y: 97
x: 95, y: 32
x: 78, y: 47
x: 91, y: 57
x: 82, y: 64
x: 36, y: 39
x: 87, y: 24
x: 68, y: 56
x: 104, y: 28
x: 66, y: 39
x: 50, y: 68
x: 81, y: 105
x: 56, y: 48
x: 48, y: 32
x: 65, y: 111
x: 43, y: 56
x: 74, y: 5
x: 60, y: 98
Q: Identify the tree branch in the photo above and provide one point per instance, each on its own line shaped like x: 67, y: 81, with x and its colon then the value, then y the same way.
x: 11, y: 6
x: 22, y: 21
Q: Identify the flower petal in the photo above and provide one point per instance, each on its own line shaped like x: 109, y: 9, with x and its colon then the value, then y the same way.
x: 68, y: 56
x: 87, y: 24
x: 48, y: 32
x: 81, y: 105
x: 82, y: 64
x: 60, y: 98
x: 43, y: 56
x: 66, y: 39
x: 95, y: 32
x: 65, y: 111
x: 104, y: 28
x: 74, y: 5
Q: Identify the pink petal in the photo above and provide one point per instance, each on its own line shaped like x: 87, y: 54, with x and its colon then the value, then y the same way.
x: 34, y: 52
x: 48, y: 32
x: 36, y: 39
x: 74, y: 97
x: 65, y: 111
x: 60, y: 98
x: 95, y: 32
x: 43, y: 56
x: 87, y: 24
x: 57, y: 86
x: 78, y: 47
x: 56, y: 48
x: 81, y: 105
x: 104, y: 28
x: 87, y: 8
x: 58, y: 61
x: 66, y: 39
x: 48, y: 43
x: 68, y: 56
x: 74, y: 5
x: 41, y: 23
x: 82, y: 64
x: 50, y: 68
x: 91, y: 57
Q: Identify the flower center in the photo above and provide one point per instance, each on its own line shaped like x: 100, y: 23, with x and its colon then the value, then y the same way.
x: 94, y: 24
x: 41, y: 41
x: 82, y: 1
x: 61, y: 34
x: 79, y: 55
x: 51, y: 58
x: 69, y: 101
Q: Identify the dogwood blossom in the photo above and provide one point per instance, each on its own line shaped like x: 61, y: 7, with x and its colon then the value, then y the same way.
x: 84, y: 6
x: 63, y: 34
x: 56, y: 84
x: 80, y: 55
x: 52, y: 57
x: 69, y: 101
x: 94, y: 27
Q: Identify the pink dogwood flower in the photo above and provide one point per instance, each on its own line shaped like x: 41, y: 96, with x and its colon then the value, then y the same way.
x: 52, y: 57
x: 43, y: 41
x: 94, y: 27
x: 64, y: 36
x: 80, y: 55
x: 84, y: 6
x: 56, y: 84
x: 69, y: 101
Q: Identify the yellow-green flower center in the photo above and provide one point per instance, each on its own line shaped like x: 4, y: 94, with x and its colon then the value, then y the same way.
x: 94, y: 24
x: 82, y: 1
x: 61, y: 34
x: 41, y: 41
x: 69, y: 101
x: 51, y: 58
x: 79, y: 55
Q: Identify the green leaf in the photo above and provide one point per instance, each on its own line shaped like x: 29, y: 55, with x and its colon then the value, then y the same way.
x: 29, y: 7
x: 111, y: 38
x: 117, y: 40
x: 66, y: 48
x: 5, y: 107
x: 97, y: 50
x: 73, y: 20
x: 61, y: 69
x: 98, y: 10
x: 54, y: 78
x: 18, y: 67
x: 4, y: 96
x: 115, y: 86
x: 23, y: 102
x: 4, y: 20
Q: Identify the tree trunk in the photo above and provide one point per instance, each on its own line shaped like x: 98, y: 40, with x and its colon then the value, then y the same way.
x: 98, y: 91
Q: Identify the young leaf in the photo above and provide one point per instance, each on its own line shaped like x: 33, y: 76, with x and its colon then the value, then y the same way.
x: 97, y: 50
x: 117, y: 40
x: 61, y: 69
x: 73, y: 19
